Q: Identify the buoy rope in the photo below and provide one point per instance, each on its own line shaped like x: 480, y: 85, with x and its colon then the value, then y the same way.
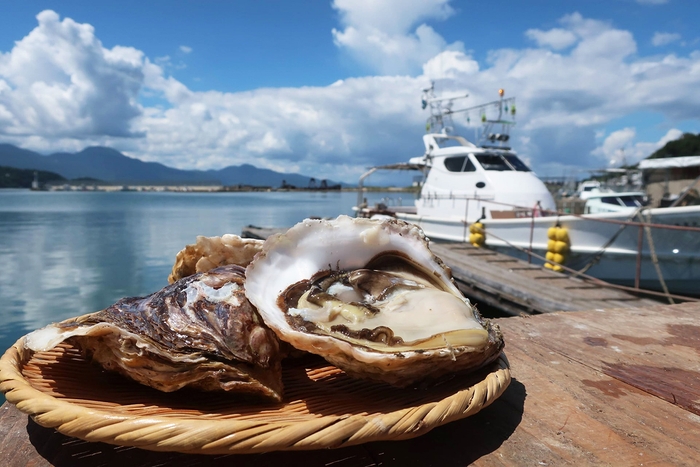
x: 596, y: 256
x: 655, y: 259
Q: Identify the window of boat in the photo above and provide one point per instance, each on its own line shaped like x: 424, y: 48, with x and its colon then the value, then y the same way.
x: 455, y: 164
x: 516, y: 163
x: 492, y: 162
x: 634, y: 201
x: 611, y: 200
x: 459, y: 164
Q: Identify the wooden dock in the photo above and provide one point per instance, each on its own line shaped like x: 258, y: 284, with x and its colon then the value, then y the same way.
x: 513, y: 286
x: 615, y: 387
x: 516, y: 287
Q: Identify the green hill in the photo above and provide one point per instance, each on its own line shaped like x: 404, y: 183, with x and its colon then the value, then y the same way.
x: 23, y: 178
x: 686, y: 145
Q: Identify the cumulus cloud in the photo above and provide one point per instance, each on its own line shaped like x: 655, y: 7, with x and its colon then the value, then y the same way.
x: 664, y: 38
x: 620, y: 146
x: 556, y: 38
x: 59, y: 80
x: 387, y: 36
x: 185, y: 49
x: 61, y: 89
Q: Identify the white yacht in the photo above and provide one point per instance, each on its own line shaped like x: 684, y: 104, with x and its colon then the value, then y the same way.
x: 465, y: 182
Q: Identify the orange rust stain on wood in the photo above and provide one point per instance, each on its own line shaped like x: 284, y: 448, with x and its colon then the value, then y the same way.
x: 675, y: 385
x: 686, y: 335
x: 608, y: 387
x: 638, y: 340
x: 595, y: 341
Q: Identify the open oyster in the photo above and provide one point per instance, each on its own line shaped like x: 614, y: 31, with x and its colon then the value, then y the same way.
x: 199, y: 332
x: 371, y: 298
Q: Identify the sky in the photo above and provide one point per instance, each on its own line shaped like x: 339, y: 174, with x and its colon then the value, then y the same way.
x: 329, y: 88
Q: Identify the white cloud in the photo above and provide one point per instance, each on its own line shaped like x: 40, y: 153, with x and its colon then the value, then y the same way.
x: 382, y: 35
x: 620, y: 147
x: 60, y: 81
x: 555, y: 38
x: 450, y: 64
x: 652, y: 2
x: 61, y: 89
x: 185, y: 49
x: 664, y: 38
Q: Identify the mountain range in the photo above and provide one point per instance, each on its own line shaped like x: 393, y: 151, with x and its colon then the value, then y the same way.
x: 110, y: 165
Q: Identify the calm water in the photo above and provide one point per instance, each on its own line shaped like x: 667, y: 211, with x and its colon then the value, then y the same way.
x: 64, y: 254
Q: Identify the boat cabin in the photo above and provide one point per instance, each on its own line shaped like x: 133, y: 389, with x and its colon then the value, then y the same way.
x: 598, y: 203
x: 466, y: 181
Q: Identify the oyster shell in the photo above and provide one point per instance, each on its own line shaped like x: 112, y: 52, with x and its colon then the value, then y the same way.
x: 371, y: 298
x: 211, y: 252
x: 200, y: 332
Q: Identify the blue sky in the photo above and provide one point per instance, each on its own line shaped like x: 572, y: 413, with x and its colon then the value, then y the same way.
x: 327, y: 88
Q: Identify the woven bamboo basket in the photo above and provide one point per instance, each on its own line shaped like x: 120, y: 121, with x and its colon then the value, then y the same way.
x: 323, y: 407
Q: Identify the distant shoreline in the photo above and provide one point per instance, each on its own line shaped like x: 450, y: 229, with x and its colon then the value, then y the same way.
x: 203, y: 189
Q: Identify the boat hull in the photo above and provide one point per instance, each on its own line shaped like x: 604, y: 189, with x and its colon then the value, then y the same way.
x: 613, y: 246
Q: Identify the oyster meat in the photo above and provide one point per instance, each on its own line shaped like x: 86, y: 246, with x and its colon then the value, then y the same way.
x: 200, y: 332
x: 371, y: 298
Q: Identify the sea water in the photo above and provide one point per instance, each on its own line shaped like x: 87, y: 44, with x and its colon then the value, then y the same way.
x: 65, y: 254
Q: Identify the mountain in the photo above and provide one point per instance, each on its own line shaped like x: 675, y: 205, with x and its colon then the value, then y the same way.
x: 686, y: 145
x: 112, y: 166
x: 23, y: 178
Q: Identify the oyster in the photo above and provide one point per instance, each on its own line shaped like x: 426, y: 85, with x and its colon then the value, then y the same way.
x: 211, y: 252
x: 371, y: 298
x: 200, y: 332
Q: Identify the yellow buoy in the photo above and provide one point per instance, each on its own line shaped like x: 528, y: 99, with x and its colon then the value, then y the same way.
x: 476, y: 227
x: 559, y: 247
x: 562, y: 235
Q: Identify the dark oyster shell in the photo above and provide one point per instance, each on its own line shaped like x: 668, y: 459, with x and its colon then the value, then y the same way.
x: 200, y: 332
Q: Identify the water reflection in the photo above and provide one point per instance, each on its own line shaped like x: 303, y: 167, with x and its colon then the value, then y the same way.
x: 67, y: 254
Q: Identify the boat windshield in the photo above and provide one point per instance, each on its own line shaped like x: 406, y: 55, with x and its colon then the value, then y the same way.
x: 459, y: 164
x: 501, y: 162
x: 633, y: 201
x: 516, y: 163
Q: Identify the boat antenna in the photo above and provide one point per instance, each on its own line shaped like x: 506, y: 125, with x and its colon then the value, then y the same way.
x: 440, y: 119
x: 496, y: 131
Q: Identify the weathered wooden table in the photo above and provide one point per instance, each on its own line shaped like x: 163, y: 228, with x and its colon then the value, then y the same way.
x: 601, y: 387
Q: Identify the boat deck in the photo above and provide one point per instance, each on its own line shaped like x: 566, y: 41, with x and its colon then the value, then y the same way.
x: 598, y: 387
x: 513, y: 286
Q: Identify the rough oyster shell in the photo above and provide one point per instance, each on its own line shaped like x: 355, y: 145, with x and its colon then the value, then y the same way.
x: 371, y: 298
x: 211, y: 252
x: 199, y: 332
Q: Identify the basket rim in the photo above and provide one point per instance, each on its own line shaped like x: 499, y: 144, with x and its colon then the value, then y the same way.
x: 233, y: 436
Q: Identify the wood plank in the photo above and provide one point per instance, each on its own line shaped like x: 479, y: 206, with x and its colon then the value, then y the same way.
x: 610, y: 387
x: 535, y: 289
